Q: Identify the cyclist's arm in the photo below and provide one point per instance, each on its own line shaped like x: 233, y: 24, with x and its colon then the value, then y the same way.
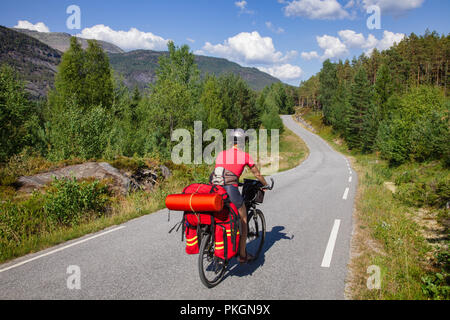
x: 258, y: 175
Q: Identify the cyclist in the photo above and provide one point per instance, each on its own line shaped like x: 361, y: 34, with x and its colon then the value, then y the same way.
x: 229, y: 167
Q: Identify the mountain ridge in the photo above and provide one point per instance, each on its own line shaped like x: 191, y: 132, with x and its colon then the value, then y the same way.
x: 37, y: 64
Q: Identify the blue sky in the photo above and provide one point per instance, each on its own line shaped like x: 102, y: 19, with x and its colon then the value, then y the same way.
x: 288, y: 39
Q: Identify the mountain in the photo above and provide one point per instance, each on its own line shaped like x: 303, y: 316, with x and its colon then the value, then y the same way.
x: 138, y: 68
x: 35, y: 61
x: 36, y: 56
x: 61, y: 41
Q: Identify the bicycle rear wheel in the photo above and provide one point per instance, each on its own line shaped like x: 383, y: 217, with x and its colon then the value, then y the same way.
x: 211, y: 268
x: 256, y: 233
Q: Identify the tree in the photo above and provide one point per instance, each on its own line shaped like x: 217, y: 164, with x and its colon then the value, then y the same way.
x: 98, y: 83
x: 212, y: 104
x: 15, y: 113
x: 327, y: 88
x: 360, y: 99
x: 383, y: 89
x: 84, y: 77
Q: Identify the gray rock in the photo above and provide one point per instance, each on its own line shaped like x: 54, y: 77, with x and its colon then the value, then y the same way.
x: 96, y: 170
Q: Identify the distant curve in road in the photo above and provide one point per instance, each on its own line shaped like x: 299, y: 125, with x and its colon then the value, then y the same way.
x: 305, y: 256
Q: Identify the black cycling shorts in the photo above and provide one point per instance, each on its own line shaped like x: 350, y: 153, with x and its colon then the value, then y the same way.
x: 235, y: 195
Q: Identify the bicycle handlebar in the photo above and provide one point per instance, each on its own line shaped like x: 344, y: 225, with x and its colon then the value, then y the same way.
x: 267, y: 187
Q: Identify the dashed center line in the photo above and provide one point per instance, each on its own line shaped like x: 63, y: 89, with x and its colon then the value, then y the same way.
x: 326, y: 261
x: 346, y: 193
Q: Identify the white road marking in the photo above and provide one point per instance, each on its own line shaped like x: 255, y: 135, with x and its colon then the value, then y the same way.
x: 350, y: 179
x: 60, y: 249
x: 346, y: 193
x: 326, y: 261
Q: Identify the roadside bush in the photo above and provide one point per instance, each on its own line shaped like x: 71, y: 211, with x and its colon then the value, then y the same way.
x: 417, y: 129
x: 65, y: 203
x: 423, y: 190
x: 68, y: 202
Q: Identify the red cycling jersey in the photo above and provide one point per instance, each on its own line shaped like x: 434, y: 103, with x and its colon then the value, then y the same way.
x: 234, y: 160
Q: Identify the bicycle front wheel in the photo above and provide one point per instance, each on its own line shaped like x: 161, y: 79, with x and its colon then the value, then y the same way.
x: 256, y: 233
x: 211, y: 268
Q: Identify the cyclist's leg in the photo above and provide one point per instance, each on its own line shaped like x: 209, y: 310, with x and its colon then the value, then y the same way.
x: 238, y: 201
x: 243, y: 240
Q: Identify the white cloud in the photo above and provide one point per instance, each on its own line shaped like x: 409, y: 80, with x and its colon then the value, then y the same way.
x: 127, y: 40
x: 316, y: 9
x: 272, y: 28
x: 388, y: 40
x: 310, y: 55
x: 352, y: 39
x: 190, y: 40
x: 394, y: 7
x: 242, y: 5
x: 24, y: 24
x: 285, y: 72
x: 332, y: 46
x: 248, y: 48
x: 357, y: 40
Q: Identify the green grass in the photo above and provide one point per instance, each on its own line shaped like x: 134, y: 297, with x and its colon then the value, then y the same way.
x: 393, y: 230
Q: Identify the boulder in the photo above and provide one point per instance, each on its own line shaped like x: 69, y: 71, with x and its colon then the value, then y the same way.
x: 121, y: 181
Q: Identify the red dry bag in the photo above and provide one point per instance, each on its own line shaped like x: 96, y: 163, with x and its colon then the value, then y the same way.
x: 195, y: 202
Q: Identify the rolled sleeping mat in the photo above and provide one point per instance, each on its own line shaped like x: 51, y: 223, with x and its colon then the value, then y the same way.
x: 195, y: 202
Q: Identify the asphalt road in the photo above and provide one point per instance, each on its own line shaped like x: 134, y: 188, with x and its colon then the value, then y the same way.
x: 305, y: 256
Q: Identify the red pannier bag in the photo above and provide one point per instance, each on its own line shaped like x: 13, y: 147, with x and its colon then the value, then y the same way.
x: 225, y: 219
x: 226, y: 239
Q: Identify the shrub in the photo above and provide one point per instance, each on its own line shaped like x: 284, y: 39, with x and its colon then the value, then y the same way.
x: 68, y: 201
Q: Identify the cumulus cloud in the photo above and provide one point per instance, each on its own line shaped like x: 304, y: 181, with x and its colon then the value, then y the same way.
x: 24, y: 24
x: 310, y: 55
x: 394, y: 7
x: 248, y: 48
x: 316, y: 9
x: 127, y: 40
x: 357, y: 40
x: 332, y: 46
x: 285, y: 72
x: 352, y: 39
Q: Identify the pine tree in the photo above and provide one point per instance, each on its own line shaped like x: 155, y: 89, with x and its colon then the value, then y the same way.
x: 360, y: 99
x: 383, y: 90
x: 328, y: 84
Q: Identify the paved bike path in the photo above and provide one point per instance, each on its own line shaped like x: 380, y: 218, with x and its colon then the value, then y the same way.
x: 308, y: 208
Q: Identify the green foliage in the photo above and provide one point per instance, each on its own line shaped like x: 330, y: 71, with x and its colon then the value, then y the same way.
x: 84, y: 77
x: 429, y: 186
x: 328, y: 83
x: 417, y: 129
x: 78, y: 133
x: 359, y: 121
x: 17, y: 117
x: 68, y: 202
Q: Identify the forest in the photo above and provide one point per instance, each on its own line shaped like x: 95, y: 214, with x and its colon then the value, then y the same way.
x: 394, y: 102
x: 90, y: 115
